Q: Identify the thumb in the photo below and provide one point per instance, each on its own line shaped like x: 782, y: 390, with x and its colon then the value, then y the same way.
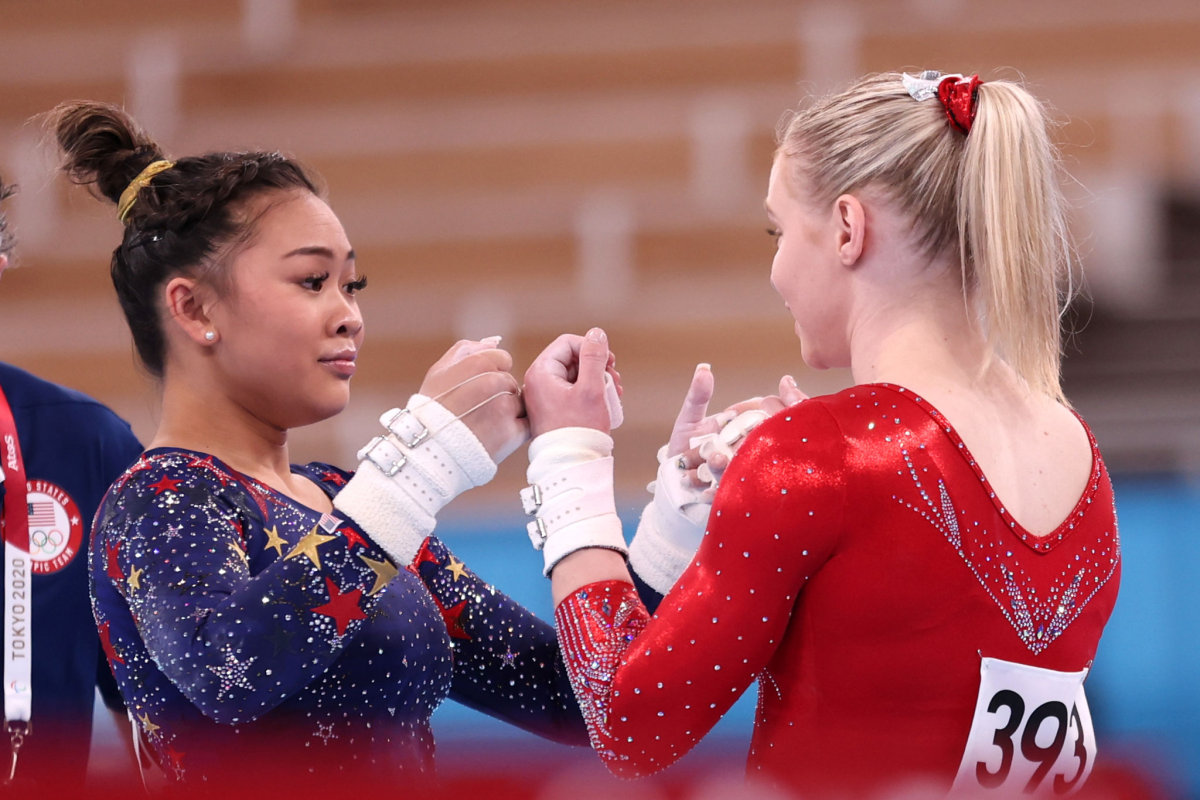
x: 593, y: 359
x: 467, y: 348
x: 789, y: 393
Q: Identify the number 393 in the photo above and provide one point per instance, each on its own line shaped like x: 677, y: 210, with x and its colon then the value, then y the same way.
x: 1031, y: 734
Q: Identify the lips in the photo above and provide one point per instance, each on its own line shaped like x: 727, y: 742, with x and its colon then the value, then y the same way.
x: 341, y: 362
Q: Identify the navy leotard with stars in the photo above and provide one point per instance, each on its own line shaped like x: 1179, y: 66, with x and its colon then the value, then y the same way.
x: 234, y: 618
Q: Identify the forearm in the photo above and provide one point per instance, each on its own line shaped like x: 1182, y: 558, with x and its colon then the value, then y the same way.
x: 584, y: 567
x: 506, y: 660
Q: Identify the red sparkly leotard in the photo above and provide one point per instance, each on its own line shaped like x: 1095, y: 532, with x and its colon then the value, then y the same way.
x: 858, y: 565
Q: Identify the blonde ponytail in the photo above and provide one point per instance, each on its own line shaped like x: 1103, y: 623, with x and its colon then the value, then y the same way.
x: 993, y: 196
x: 1013, y: 231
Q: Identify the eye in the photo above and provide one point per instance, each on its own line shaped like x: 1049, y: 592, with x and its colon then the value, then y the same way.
x: 314, y: 282
x: 357, y: 285
x: 775, y: 233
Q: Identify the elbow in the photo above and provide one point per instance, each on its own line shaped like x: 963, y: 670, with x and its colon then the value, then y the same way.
x: 630, y: 768
x: 624, y: 762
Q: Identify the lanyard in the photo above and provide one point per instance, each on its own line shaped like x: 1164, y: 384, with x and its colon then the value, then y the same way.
x: 18, y: 623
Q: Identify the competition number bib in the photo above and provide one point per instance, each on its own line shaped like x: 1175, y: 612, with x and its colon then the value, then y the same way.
x: 1031, y: 735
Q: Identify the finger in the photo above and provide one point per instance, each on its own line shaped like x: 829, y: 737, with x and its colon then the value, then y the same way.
x: 718, y: 461
x: 466, y: 347
x: 564, y: 349
x: 772, y: 405
x: 692, y: 479
x: 708, y: 495
x: 690, y: 459
x: 789, y: 392
x: 695, y: 403
x: 593, y: 360
x: 746, y: 405
x: 616, y: 379
x: 479, y: 363
x: 500, y: 360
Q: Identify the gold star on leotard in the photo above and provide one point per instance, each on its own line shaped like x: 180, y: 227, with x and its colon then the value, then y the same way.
x: 147, y: 724
x: 384, y: 572
x: 135, y: 578
x: 275, y: 540
x: 456, y: 567
x: 308, y: 546
x: 238, y: 551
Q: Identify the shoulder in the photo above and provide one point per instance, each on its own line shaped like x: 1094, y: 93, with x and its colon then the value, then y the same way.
x: 168, y: 472
x: 810, y: 431
x: 164, y: 481
x: 327, y: 476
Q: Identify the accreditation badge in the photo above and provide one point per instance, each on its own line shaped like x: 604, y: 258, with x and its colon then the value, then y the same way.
x: 55, y: 527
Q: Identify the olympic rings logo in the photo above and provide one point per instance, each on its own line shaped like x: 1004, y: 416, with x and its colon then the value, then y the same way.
x: 48, y: 542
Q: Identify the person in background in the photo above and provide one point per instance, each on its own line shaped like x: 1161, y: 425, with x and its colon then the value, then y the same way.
x: 916, y: 570
x: 60, y: 452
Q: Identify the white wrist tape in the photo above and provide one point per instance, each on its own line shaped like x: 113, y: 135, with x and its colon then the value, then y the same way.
x: 571, y: 494
x: 726, y: 442
x: 671, y: 527
x: 405, y: 477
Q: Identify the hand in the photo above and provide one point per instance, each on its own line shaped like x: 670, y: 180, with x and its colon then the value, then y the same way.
x: 564, y: 386
x: 717, y: 462
x: 469, y: 374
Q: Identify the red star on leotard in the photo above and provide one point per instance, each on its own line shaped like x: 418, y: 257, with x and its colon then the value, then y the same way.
x: 353, y: 537
x: 142, y: 465
x: 106, y: 643
x: 165, y: 484
x: 342, y: 607
x: 207, y: 464
x: 452, y: 616
x: 111, y: 551
x: 176, y: 757
x: 423, y: 555
x: 332, y: 477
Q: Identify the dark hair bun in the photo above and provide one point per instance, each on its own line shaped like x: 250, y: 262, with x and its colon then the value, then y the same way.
x: 102, y: 145
x: 184, y: 221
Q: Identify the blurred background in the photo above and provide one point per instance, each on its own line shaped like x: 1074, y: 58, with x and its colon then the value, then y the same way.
x: 531, y: 167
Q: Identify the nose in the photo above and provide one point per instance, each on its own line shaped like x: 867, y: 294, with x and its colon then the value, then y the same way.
x: 347, y: 321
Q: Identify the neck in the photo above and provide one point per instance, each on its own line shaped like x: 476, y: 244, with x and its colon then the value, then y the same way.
x: 927, y: 342
x: 195, y: 417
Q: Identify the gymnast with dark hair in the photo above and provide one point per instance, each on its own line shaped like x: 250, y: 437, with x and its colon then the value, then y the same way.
x: 302, y: 619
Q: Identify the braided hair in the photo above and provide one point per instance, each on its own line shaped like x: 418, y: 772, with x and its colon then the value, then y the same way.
x: 187, y: 220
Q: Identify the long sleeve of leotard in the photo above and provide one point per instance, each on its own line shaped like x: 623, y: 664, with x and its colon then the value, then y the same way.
x: 506, y: 660
x: 651, y: 688
x: 176, y: 552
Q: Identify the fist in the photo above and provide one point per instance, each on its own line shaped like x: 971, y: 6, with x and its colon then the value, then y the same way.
x: 564, y: 386
x: 473, y: 382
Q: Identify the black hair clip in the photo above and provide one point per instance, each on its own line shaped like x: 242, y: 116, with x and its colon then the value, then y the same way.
x: 145, y: 238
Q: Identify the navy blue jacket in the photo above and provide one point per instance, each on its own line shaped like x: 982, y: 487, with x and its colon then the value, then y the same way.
x: 73, y: 448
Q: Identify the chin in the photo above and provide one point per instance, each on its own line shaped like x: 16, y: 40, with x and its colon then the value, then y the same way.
x: 812, y: 356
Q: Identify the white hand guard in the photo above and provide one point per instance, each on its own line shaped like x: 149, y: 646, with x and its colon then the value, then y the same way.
x: 571, y: 494
x: 673, y: 524
x: 406, y: 476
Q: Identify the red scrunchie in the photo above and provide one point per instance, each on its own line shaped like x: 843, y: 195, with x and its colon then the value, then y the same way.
x: 958, y: 99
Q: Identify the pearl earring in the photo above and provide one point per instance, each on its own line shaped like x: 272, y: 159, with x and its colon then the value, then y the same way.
x: 209, y: 335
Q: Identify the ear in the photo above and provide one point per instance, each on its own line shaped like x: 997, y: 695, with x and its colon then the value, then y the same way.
x: 850, y: 221
x: 3, y: 262
x: 187, y: 306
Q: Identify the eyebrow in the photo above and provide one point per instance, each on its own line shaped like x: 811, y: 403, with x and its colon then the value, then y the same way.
x: 767, y: 206
x: 318, y: 250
